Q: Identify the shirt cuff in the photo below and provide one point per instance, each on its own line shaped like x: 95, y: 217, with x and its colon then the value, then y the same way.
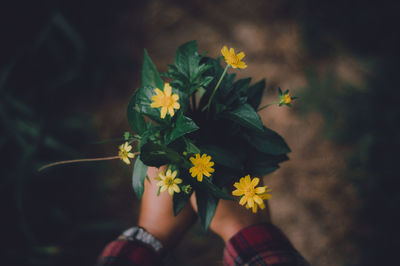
x: 261, y: 244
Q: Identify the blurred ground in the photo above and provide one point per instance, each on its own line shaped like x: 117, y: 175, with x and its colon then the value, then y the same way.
x: 69, y: 68
x: 311, y: 202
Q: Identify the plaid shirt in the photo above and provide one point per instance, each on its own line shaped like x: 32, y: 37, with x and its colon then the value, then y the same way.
x: 262, y: 244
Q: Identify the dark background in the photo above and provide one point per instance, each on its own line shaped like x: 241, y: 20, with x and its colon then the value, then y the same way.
x: 68, y: 68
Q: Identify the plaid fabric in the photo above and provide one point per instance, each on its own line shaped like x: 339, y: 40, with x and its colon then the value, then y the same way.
x: 262, y: 244
x: 122, y: 252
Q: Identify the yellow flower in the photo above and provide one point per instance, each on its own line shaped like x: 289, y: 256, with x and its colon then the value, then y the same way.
x: 264, y: 196
x: 167, y: 101
x: 124, y: 152
x: 285, y: 98
x: 201, y: 166
x: 246, y: 189
x: 235, y: 60
x: 169, y: 181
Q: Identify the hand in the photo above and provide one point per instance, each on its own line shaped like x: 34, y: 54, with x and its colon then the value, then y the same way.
x: 157, y: 216
x: 231, y: 217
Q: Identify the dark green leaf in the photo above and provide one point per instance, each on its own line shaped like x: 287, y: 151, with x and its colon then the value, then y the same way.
x: 206, y: 204
x: 142, y: 101
x: 179, y: 201
x: 153, y: 154
x: 262, y: 164
x: 190, y: 147
x: 138, y: 176
x: 135, y: 119
x: 150, y: 75
x: 222, y: 156
x: 246, y: 116
x: 183, y: 125
x: 236, y: 93
x: 268, y: 142
x: 255, y: 93
x: 223, y: 176
x: 187, y: 58
x: 215, y: 190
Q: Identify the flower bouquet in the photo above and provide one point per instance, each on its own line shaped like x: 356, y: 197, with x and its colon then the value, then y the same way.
x: 202, y: 124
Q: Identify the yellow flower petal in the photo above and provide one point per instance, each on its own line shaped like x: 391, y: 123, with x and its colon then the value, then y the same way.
x: 163, y: 112
x: 259, y: 190
x: 255, y: 181
x: 250, y: 201
x: 240, y: 55
x: 167, y: 89
x: 176, y: 188
x: 225, y: 51
x: 243, y: 200
x: 257, y: 199
x: 237, y: 192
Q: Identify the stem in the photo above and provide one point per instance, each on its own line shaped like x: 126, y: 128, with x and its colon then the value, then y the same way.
x: 194, y: 101
x: 81, y: 160
x: 265, y: 106
x: 216, y: 87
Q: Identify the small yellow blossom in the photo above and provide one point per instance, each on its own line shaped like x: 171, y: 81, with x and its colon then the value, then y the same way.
x: 167, y: 101
x: 285, y: 99
x: 246, y: 189
x: 169, y: 181
x: 124, y: 152
x: 201, y: 166
x: 235, y: 60
x: 264, y: 196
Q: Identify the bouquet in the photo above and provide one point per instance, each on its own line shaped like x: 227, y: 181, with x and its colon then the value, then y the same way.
x: 202, y: 124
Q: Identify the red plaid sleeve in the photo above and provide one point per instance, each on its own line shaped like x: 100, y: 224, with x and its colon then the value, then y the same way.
x: 124, y: 252
x: 262, y: 244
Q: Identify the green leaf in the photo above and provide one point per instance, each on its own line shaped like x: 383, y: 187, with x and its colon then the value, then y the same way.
x: 224, y: 175
x: 142, y: 100
x: 190, y: 147
x: 206, y: 204
x: 150, y: 75
x: 246, y: 116
x: 179, y: 201
x: 255, y: 93
x: 223, y: 157
x: 267, y: 142
x: 236, y: 92
x: 187, y: 58
x: 135, y: 119
x: 215, y: 190
x: 151, y: 134
x: 138, y: 176
x: 183, y: 125
x: 262, y: 164
x: 153, y: 154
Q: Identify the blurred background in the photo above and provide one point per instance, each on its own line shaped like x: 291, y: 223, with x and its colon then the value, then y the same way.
x: 68, y: 68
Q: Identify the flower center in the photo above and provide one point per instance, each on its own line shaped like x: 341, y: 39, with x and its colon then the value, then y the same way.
x: 123, y: 153
x: 249, y: 191
x: 202, y: 167
x: 233, y: 59
x: 166, y: 101
x: 169, y: 181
